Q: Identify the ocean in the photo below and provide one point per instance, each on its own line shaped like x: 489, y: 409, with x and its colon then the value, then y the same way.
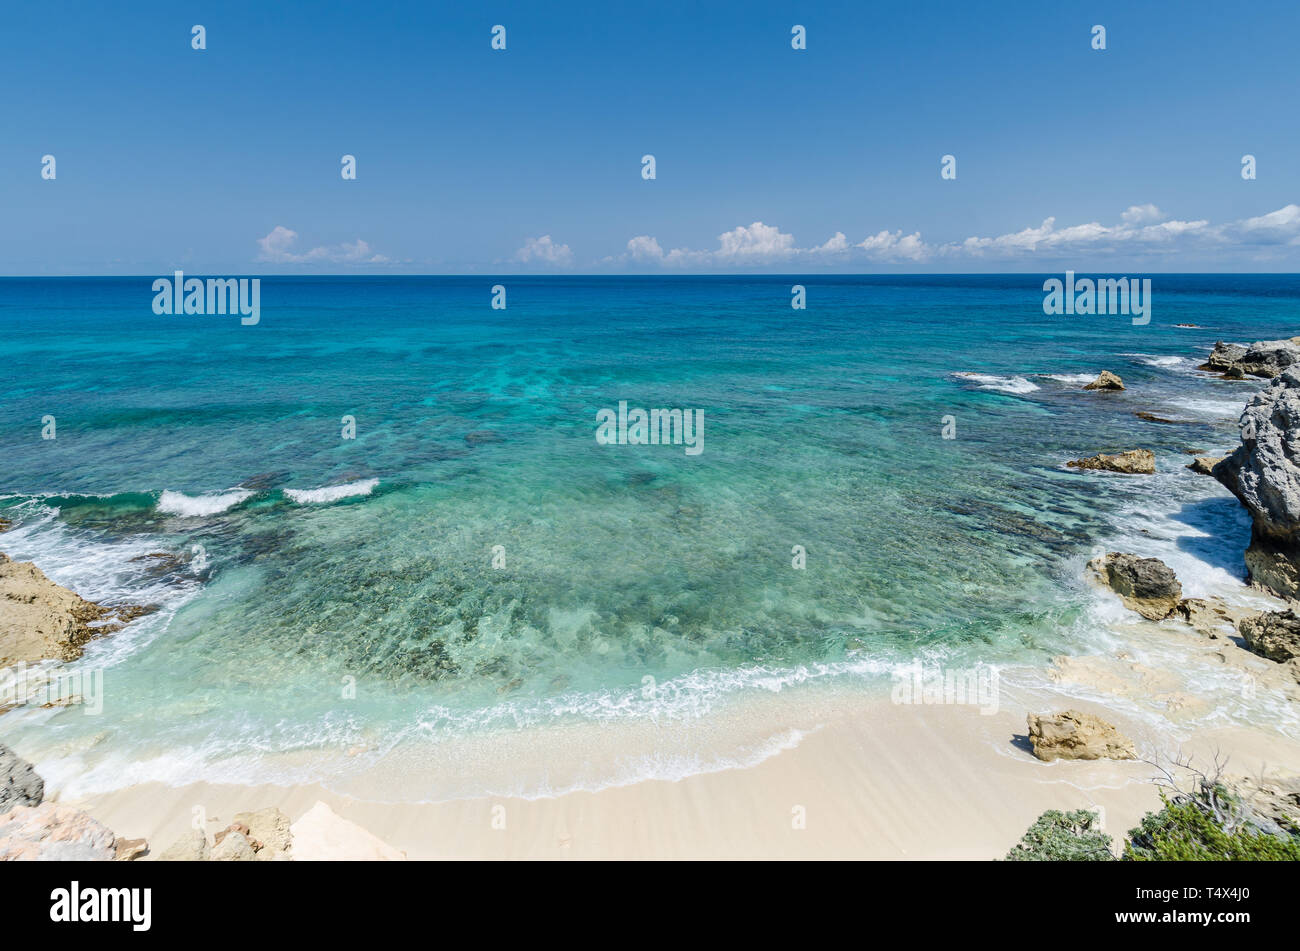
x: 474, y: 578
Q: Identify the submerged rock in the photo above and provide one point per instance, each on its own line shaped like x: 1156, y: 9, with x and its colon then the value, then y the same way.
x: 1206, y: 617
x: 1263, y: 474
x: 1204, y: 464
x: 1075, y: 735
x: 40, y: 620
x: 51, y: 832
x: 19, y: 783
x: 1273, y: 634
x: 1133, y: 462
x: 1145, y: 585
x: 1106, y: 381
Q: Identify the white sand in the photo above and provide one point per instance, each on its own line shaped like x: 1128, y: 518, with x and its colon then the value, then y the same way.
x: 883, y: 781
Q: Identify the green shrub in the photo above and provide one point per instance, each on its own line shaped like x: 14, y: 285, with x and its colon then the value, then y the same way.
x: 1190, y: 830
x: 1063, y: 837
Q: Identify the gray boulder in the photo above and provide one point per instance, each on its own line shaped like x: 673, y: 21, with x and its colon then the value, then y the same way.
x: 1264, y: 475
x: 19, y: 784
x: 1265, y: 358
x: 1145, y: 585
x: 1268, y: 358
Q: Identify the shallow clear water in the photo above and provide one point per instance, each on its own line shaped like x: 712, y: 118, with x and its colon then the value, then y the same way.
x: 315, y: 619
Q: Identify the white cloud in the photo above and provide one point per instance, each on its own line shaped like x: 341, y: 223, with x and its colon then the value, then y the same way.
x: 835, y: 244
x: 1142, y: 233
x: 1276, y: 227
x: 277, y: 248
x: 1142, y: 214
x: 545, y: 251
x: 895, y: 244
x: 755, y: 242
x: 644, y: 248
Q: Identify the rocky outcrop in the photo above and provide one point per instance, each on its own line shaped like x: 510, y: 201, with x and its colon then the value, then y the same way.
x: 1210, y: 617
x: 1273, y: 634
x: 1205, y: 464
x: 234, y: 847
x: 1263, y: 473
x: 1075, y: 735
x: 269, y: 831
x: 128, y: 850
x: 1133, y: 462
x: 19, y: 784
x: 1106, y: 381
x: 1273, y: 803
x: 51, y: 832
x: 1264, y: 358
x: 262, y: 836
x: 1145, y: 585
x: 40, y: 620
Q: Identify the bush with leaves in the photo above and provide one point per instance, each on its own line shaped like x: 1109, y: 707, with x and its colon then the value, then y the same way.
x: 1212, y: 827
x: 1063, y: 837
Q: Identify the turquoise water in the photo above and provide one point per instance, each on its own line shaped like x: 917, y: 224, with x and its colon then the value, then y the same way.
x: 303, y: 619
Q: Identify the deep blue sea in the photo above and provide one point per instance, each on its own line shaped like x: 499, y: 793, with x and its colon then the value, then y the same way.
x: 474, y: 562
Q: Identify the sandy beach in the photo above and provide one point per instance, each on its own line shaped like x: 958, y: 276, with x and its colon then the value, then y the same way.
x: 879, y: 781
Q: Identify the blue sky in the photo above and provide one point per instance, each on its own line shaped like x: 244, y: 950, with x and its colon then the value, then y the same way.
x: 227, y: 160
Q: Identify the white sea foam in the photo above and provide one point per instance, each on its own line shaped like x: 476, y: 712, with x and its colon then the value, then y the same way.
x: 332, y: 493
x: 1218, y: 409
x: 1070, y: 378
x: 1003, y: 384
x: 195, y: 506
x: 1163, y: 362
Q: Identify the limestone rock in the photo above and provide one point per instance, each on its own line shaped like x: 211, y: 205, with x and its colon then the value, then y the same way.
x: 1075, y: 735
x: 1106, y: 381
x: 1263, y: 474
x: 51, y: 832
x: 1202, y: 615
x: 1133, y: 462
x: 128, y: 850
x: 19, y: 784
x: 1264, y: 358
x: 41, y: 620
x: 1145, y: 585
x: 1273, y: 634
x: 190, y: 847
x: 1223, y: 357
x: 234, y: 847
x: 270, y: 828
x: 321, y: 834
x: 1205, y: 464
